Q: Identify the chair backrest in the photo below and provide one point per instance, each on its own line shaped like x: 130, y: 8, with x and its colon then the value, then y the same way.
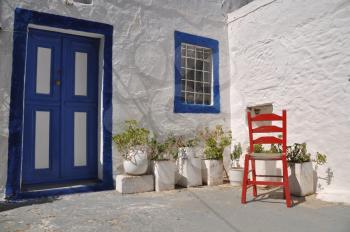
x: 268, y: 129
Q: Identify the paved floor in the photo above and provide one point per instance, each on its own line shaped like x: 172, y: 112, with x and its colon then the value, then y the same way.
x: 195, y: 209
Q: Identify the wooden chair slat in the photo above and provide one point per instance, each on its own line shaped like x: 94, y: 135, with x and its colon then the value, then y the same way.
x: 267, y: 117
x: 267, y: 140
x: 267, y: 129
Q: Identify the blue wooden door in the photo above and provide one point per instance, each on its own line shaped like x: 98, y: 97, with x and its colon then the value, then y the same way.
x: 61, y: 108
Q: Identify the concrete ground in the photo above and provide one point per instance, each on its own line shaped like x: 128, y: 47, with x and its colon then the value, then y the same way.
x: 194, y: 209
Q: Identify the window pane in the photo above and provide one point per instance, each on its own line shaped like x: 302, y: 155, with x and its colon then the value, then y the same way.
x: 199, y: 98
x: 190, y: 63
x: 199, y: 87
x: 199, y: 65
x: 207, y: 54
x: 190, y: 53
x: 207, y: 99
x: 199, y: 53
x: 190, y: 86
x: 190, y: 98
x: 206, y: 77
x: 207, y: 88
x: 190, y: 74
x: 199, y: 76
x: 206, y: 66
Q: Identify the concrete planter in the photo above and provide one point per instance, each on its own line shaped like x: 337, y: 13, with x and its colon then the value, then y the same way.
x: 301, y: 179
x: 189, y: 172
x: 164, y: 175
x: 236, y: 176
x: 137, y: 163
x: 212, y: 172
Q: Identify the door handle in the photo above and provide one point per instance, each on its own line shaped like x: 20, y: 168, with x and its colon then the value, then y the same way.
x: 58, y: 82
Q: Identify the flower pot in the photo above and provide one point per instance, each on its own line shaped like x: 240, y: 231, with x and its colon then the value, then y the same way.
x: 212, y: 172
x: 137, y: 163
x: 236, y: 176
x: 301, y: 179
x: 188, y: 172
x: 164, y: 174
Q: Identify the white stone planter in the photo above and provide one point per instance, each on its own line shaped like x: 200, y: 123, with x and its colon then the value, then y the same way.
x: 212, y: 172
x: 164, y: 175
x: 189, y: 172
x: 236, y: 176
x: 137, y: 163
x: 301, y: 179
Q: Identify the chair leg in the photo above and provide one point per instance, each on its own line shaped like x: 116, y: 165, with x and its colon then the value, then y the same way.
x: 245, y: 179
x: 285, y: 182
x: 255, y: 192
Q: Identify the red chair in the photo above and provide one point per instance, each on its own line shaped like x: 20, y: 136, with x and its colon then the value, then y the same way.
x: 251, y: 156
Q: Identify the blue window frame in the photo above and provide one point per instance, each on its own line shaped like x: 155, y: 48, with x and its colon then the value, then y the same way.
x: 181, y: 105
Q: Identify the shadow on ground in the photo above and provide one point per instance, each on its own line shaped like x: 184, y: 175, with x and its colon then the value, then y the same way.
x: 13, y: 204
x: 271, y: 195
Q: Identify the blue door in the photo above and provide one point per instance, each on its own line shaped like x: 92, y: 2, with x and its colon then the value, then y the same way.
x: 61, y: 108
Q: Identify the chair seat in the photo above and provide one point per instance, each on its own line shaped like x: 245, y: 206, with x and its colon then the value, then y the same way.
x: 266, y: 156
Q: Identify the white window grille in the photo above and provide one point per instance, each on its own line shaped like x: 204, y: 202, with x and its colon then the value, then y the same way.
x: 196, y: 74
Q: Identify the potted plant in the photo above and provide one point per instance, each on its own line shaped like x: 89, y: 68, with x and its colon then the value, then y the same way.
x: 301, y: 178
x: 215, y: 141
x: 235, y: 173
x: 188, y: 172
x: 133, y: 146
x: 267, y: 167
x: 163, y: 164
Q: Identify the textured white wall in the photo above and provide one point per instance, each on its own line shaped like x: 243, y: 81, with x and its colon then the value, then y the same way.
x: 143, y: 58
x: 296, y: 55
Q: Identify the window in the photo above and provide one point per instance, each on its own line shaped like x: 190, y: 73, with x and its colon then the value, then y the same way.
x: 196, y: 74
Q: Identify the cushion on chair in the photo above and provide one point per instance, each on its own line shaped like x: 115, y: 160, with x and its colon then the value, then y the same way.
x: 266, y: 156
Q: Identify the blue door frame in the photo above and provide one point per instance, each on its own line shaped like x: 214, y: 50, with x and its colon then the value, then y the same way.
x: 23, y: 18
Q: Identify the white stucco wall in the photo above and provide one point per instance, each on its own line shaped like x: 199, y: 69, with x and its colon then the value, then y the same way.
x: 143, y: 58
x: 296, y: 55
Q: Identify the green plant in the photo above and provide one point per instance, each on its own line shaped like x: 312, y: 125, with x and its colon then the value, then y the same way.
x: 320, y: 159
x: 181, y: 141
x: 259, y: 148
x: 133, y: 137
x: 297, y: 153
x: 237, y: 152
x: 163, y: 150
x: 276, y: 148
x: 215, y: 142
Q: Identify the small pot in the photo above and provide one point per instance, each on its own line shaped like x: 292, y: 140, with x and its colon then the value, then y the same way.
x: 212, y: 172
x: 236, y: 176
x: 188, y: 173
x: 137, y: 162
x: 164, y: 174
x: 301, y: 179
